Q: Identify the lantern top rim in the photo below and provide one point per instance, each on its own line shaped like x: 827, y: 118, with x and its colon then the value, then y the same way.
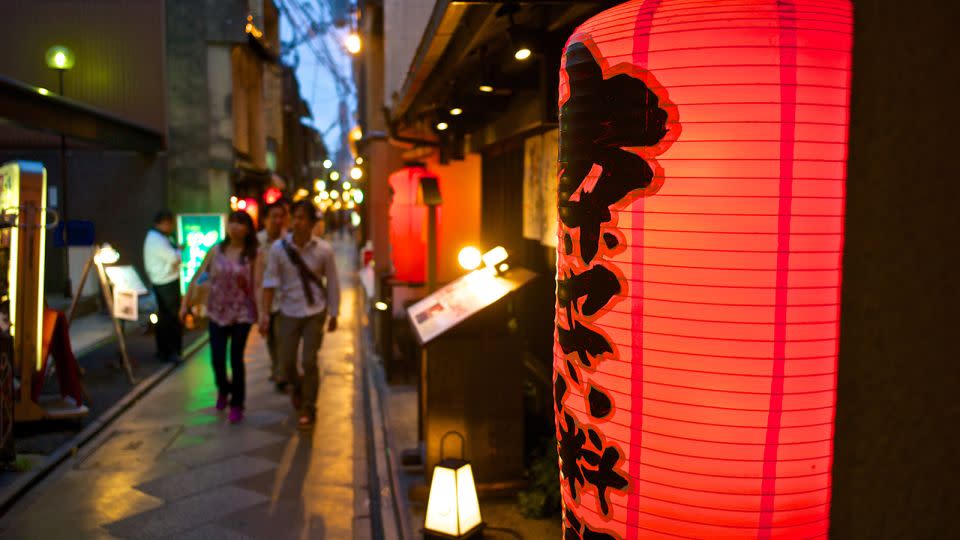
x: 453, y: 463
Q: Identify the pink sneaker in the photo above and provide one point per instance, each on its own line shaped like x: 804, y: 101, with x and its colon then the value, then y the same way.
x: 222, y: 401
x: 236, y: 415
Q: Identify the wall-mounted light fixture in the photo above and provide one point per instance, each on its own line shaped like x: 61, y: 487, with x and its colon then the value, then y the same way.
x: 470, y: 258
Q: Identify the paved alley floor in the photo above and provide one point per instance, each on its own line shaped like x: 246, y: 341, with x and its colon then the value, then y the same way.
x: 172, y: 467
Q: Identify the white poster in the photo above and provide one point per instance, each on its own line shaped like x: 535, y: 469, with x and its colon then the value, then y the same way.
x: 551, y: 153
x: 125, y: 304
x: 540, y: 188
x: 533, y: 188
x: 126, y: 278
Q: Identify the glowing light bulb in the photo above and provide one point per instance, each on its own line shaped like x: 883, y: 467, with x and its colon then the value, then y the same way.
x: 354, y: 43
x: 470, y: 258
x: 522, y: 54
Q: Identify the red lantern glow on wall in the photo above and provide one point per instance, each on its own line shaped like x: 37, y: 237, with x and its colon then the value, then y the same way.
x: 701, y: 197
x: 408, y: 225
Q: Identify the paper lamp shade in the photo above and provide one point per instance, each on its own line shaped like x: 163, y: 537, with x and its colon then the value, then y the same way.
x: 701, y: 197
x: 408, y: 225
x: 453, y: 509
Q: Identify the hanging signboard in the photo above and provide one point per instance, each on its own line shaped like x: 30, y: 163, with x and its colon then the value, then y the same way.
x: 197, y: 233
x: 540, y: 188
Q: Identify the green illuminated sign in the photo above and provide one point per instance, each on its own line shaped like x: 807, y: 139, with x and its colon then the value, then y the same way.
x: 197, y: 233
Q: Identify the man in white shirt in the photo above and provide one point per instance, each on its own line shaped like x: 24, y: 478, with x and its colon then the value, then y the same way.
x: 274, y: 227
x: 161, y: 257
x: 301, y: 269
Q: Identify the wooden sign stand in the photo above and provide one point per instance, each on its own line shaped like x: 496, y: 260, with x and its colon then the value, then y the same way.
x: 107, y: 290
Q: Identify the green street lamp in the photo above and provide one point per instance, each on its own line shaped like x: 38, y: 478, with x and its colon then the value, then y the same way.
x: 61, y: 59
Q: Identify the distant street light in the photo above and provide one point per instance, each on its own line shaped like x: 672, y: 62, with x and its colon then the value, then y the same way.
x: 327, y: 164
x: 61, y: 59
x: 356, y: 173
x: 354, y: 43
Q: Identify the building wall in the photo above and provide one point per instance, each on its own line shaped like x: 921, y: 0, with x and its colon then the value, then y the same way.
x: 404, y: 23
x: 896, y: 468
x: 459, y: 214
x: 118, y: 47
x: 249, y: 135
x: 213, y: 189
x: 118, y: 191
x: 189, y: 108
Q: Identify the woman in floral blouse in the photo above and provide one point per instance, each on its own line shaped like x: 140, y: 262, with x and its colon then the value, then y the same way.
x: 231, y: 307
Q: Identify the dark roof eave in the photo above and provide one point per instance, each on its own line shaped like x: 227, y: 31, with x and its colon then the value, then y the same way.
x: 25, y: 105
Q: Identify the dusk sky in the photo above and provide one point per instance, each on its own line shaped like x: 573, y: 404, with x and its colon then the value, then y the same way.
x: 316, y: 83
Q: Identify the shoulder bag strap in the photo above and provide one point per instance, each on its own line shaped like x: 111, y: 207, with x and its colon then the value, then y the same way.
x: 306, y: 276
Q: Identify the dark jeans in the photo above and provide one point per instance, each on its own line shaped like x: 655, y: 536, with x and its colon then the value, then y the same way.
x: 237, y: 335
x: 169, y: 332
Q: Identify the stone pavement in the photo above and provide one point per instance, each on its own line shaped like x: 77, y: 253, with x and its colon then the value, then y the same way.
x: 172, y: 467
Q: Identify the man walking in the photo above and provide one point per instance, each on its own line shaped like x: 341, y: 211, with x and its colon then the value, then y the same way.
x: 274, y: 227
x: 301, y: 270
x: 161, y: 258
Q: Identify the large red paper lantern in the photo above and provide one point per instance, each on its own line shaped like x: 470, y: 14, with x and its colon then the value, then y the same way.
x: 701, y: 195
x: 408, y: 225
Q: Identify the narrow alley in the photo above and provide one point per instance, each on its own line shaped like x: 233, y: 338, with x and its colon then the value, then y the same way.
x: 172, y: 467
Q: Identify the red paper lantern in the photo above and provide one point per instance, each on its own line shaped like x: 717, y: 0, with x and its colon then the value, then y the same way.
x: 701, y: 196
x: 272, y: 195
x: 408, y: 225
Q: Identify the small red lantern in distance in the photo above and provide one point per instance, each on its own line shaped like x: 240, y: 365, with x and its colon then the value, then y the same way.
x: 272, y: 195
x: 408, y: 225
x: 701, y: 197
